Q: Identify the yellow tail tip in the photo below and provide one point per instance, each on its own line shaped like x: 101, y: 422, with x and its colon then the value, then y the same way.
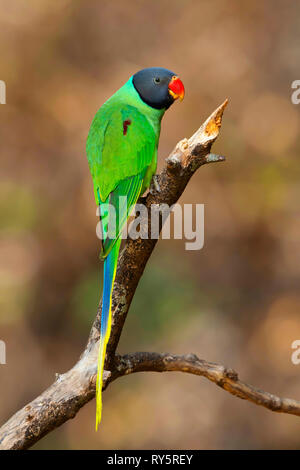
x: 98, y: 408
x: 98, y: 418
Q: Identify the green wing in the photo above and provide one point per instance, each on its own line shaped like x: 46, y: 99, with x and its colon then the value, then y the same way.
x: 131, y: 189
x: 120, y: 148
x: 116, y: 152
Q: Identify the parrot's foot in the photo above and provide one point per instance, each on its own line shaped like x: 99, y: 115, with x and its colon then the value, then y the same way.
x: 154, y: 187
x: 143, y: 199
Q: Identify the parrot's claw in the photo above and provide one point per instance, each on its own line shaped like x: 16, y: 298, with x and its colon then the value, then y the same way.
x: 154, y: 187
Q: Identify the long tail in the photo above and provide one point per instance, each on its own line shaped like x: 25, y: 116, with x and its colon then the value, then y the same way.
x: 110, y: 265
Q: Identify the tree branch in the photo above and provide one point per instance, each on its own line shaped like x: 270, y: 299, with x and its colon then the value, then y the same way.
x: 225, y: 377
x: 72, y: 390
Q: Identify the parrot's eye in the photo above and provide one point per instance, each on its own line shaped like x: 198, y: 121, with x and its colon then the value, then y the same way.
x: 156, y: 80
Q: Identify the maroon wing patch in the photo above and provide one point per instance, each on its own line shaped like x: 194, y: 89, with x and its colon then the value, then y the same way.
x: 125, y: 126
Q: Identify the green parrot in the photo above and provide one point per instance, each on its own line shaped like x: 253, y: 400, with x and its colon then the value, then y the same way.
x: 122, y: 155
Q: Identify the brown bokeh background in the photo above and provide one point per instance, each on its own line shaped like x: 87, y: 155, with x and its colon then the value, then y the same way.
x: 237, y: 300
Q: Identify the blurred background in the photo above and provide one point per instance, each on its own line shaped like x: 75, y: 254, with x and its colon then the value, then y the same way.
x: 237, y: 300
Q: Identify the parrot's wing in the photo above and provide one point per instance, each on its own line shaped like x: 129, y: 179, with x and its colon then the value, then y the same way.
x: 114, y: 216
x: 121, y: 144
x: 120, y: 148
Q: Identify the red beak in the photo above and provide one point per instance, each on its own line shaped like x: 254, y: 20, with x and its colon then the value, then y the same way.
x: 176, y: 88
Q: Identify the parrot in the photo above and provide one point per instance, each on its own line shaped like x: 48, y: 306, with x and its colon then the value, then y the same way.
x: 121, y: 151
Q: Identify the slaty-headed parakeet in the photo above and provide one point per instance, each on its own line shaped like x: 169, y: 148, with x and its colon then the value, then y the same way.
x: 122, y: 156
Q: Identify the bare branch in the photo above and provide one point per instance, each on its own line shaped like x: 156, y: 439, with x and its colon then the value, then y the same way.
x: 74, y: 389
x: 62, y: 400
x: 226, y: 378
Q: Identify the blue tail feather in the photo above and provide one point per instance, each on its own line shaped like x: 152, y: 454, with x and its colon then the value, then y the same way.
x: 109, y: 270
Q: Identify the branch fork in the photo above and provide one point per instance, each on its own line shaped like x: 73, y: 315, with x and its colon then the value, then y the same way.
x: 73, y: 389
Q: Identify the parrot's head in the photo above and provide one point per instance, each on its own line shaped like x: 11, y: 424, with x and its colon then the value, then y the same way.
x: 158, y: 87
